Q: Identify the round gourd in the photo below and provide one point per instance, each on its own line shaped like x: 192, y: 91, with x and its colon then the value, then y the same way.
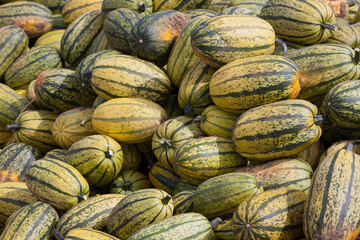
x: 129, y: 181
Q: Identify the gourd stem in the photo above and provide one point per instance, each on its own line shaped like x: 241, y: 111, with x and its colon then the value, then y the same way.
x: 357, y: 56
x: 280, y: 42
x: 28, y: 105
x: 349, y: 147
x: 108, y: 154
x: 127, y: 186
x: 200, y: 118
x: 142, y: 7
x: 164, y: 141
x: 166, y: 200
x: 82, y: 197
x: 259, y: 184
x: 188, y: 108
x: 83, y: 122
x: 14, y: 126
x: 328, y: 25
x: 215, y: 222
x: 319, y: 119
x: 58, y: 235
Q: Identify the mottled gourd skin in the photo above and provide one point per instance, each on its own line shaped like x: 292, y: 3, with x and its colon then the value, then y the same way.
x: 341, y: 105
x: 218, y: 5
x: 276, y: 130
x: 51, y: 39
x: 223, y: 39
x: 86, y: 234
x: 180, y: 5
x: 300, y: 21
x: 254, y: 81
x: 162, y: 176
x: 185, y: 226
x: 334, y: 192
x: 273, y: 214
x: 13, y: 43
x: 75, y: 8
x: 34, y: 18
x: 183, y: 202
x: 142, y: 7
x: 322, y: 66
x: 129, y: 181
x: 253, y: 5
x: 345, y: 35
x: 34, y: 221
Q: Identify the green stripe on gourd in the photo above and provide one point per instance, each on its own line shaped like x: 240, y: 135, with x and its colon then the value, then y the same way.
x: 79, y: 36
x: 183, y: 202
x: 75, y: 8
x: 58, y: 154
x: 129, y: 181
x: 171, y: 135
x: 236, y: 11
x: 58, y: 22
x: 55, y: 6
x: 32, y: 222
x: 272, y: 214
x: 253, y: 5
x: 51, y: 39
x: 29, y: 65
x: 163, y: 176
x: 200, y: 159
x: 277, y: 130
x: 194, y: 95
x: 92, y: 213
x: 34, y: 18
x: 322, y: 66
x: 182, y: 5
x: 88, y: 234
x: 345, y: 35
x: 142, y: 7
x: 57, y: 183
x: 117, y: 27
x: 99, y: 44
x: 126, y: 76
x: 97, y: 157
x: 182, y: 58
x: 218, y: 5
x: 13, y: 43
x: 138, y: 210
x: 223, y: 231
x: 220, y: 196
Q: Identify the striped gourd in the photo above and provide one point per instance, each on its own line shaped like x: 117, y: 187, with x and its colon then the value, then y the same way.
x: 218, y: 5
x: 219, y: 196
x: 163, y: 176
x: 154, y: 35
x: 31, y: 222
x: 183, y: 185
x: 171, y: 135
x: 5, y: 135
x: 99, y: 44
x: 127, y: 76
x: 345, y: 35
x: 117, y: 27
x: 16, y: 158
x: 97, y: 157
x: 58, y: 22
x: 75, y: 8
x: 92, y: 213
x: 88, y: 234
x: 251, y: 82
x: 185, y: 226
x: 129, y: 181
x: 300, y: 21
x: 71, y: 126
x: 142, y: 7
x: 236, y: 11
x: 333, y: 195
x: 172, y: 107
x: 183, y: 202
x: 194, y: 94
x: 313, y: 153
x: 138, y: 210
x: 253, y: 5
x: 276, y: 130
x: 207, y: 157
x: 182, y: 58
x: 236, y: 30
x: 217, y: 122
x: 34, y: 18
x: 274, y: 214
x: 290, y: 173
x: 13, y: 43
x: 200, y: 12
x: 83, y: 72
x: 29, y: 65
x: 223, y: 231
x: 112, y: 119
x: 30, y: 94
x: 341, y: 104
x: 79, y: 35
x: 58, y: 154
x: 50, y: 83
x: 182, y: 5
x: 322, y: 66
x: 132, y: 157
x: 11, y: 104
x: 55, y: 6
x: 33, y: 127
x: 340, y: 145
x: 51, y: 39
x: 57, y: 183
x: 13, y: 196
